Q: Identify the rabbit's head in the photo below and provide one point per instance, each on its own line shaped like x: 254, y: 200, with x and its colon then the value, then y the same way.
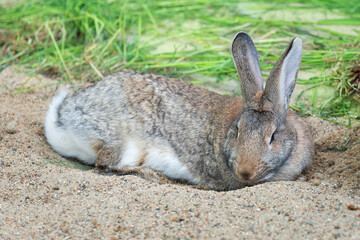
x: 261, y: 140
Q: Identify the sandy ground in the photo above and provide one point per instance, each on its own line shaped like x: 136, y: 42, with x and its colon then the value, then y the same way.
x: 44, y: 197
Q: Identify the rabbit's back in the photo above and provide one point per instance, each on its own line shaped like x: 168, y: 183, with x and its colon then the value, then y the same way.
x: 144, y: 105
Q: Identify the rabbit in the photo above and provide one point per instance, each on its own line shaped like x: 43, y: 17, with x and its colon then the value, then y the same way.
x: 132, y: 120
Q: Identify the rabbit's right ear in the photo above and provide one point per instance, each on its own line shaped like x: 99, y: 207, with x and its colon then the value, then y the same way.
x: 247, y: 64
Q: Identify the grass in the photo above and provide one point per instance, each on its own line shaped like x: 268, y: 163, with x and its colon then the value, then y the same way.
x: 85, y: 40
x: 67, y: 163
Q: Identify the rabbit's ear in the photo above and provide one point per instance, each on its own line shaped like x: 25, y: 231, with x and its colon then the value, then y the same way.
x: 247, y: 65
x: 282, y: 78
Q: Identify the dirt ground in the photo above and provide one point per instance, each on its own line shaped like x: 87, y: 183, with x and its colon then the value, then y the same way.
x: 43, y: 196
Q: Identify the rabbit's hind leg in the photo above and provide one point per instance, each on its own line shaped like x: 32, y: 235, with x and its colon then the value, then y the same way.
x: 130, y: 162
x: 119, y: 155
x: 146, y: 173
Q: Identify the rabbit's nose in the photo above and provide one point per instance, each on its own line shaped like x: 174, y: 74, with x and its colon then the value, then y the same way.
x: 245, y: 174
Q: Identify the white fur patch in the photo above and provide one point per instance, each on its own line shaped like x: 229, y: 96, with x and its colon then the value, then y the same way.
x: 162, y: 159
x: 63, y: 140
x: 167, y: 162
x: 131, y: 155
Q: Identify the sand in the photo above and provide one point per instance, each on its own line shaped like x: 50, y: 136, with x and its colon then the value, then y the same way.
x: 44, y: 196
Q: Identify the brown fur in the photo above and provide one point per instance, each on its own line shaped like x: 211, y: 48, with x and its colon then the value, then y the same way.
x: 222, y: 143
x: 141, y: 159
x: 105, y: 155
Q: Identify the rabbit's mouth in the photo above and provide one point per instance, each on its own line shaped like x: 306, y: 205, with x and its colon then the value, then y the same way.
x: 256, y: 181
x: 248, y: 176
x: 244, y: 181
x: 260, y: 177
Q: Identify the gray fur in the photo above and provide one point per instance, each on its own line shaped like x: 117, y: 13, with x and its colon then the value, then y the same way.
x: 223, y: 145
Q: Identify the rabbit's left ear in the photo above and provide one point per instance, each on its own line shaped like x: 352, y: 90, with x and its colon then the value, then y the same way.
x: 282, y: 78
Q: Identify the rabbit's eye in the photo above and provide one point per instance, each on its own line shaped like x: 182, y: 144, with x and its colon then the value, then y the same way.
x: 272, y: 138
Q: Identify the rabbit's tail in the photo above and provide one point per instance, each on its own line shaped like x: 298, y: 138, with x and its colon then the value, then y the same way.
x: 52, y: 113
x: 62, y: 139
